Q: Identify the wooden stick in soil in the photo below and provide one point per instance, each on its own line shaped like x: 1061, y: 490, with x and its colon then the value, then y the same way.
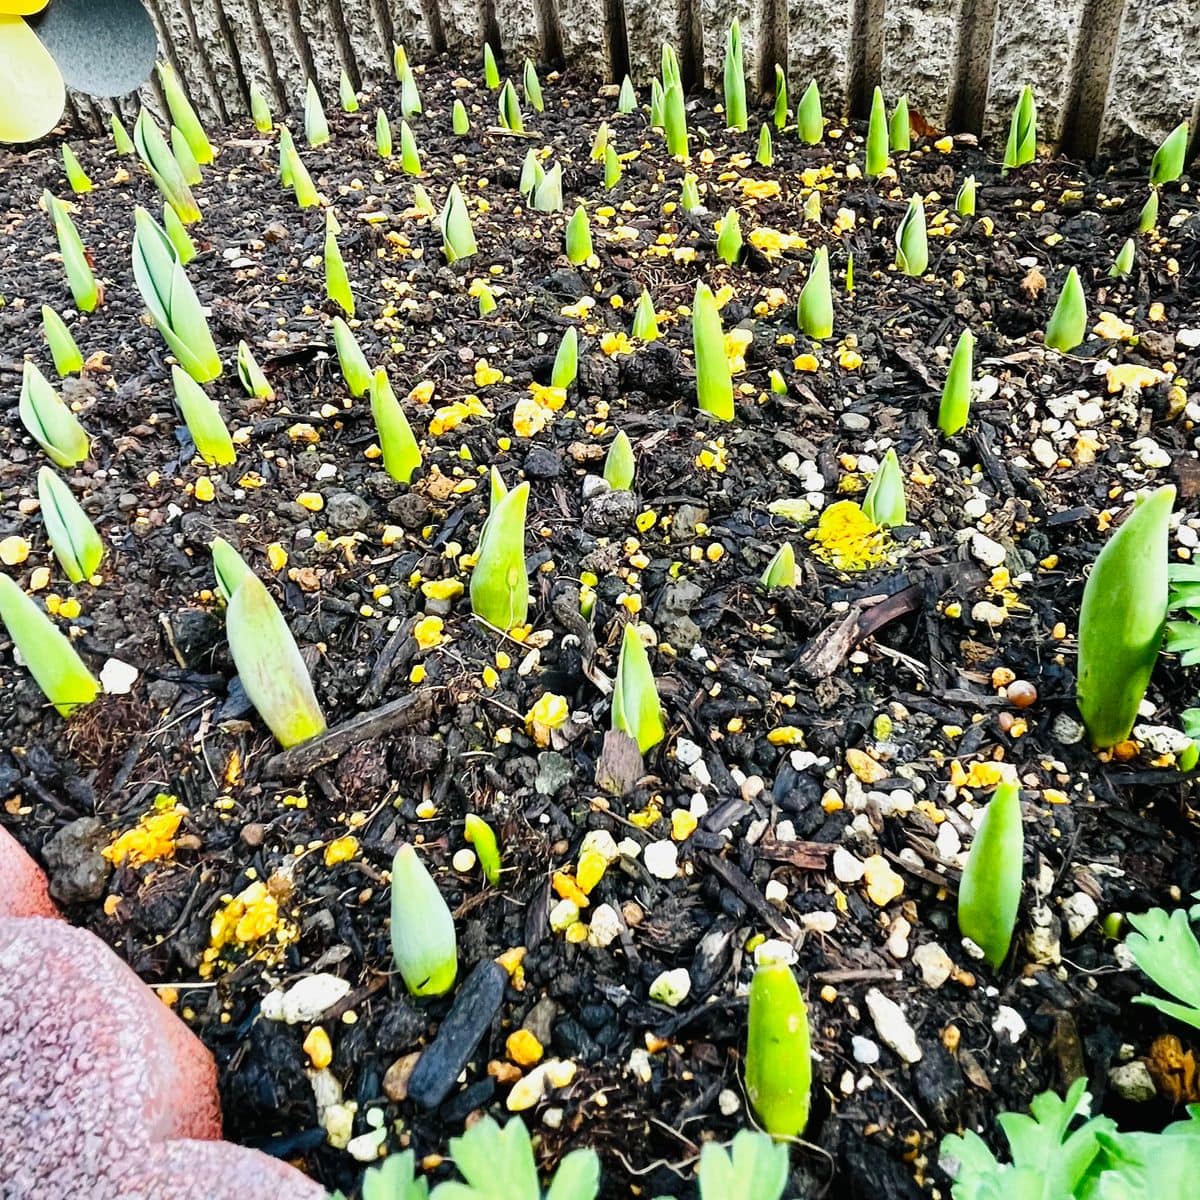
x: 333, y: 743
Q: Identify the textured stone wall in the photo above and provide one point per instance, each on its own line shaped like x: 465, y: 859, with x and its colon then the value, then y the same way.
x: 1108, y: 74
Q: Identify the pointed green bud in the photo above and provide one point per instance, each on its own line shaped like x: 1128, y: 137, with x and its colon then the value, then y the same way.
x: 579, y: 237
x: 735, y: 80
x: 401, y: 454
x: 481, y: 835
x: 73, y: 538
x: 778, y: 384
x: 714, y: 383
x: 383, y: 134
x: 458, y: 238
x: 347, y: 96
x: 964, y: 201
x: 500, y: 582
x: 189, y: 168
x: 912, y: 246
x: 635, y: 705
x: 612, y: 167
x: 566, y: 360
x: 884, y: 504
x: 627, y: 97
x: 77, y: 177
x: 1021, y: 147
x: 810, y: 121
x: 355, y: 369
x: 778, y: 1057
x: 766, y: 154
x: 619, y: 465
x: 509, y: 109
x: 689, y: 194
x: 656, y: 104
x: 1148, y: 217
x: 899, y: 127
x: 547, y: 196
x: 460, y: 121
x: 203, y: 419
x: 814, y: 311
x: 424, y: 945
x: 410, y: 159
x: 68, y: 358
x: 729, y: 237
x: 337, y: 282
x: 491, y: 73
x: 532, y: 87
x: 781, y: 570
x: 251, y: 374
x: 184, y: 115
x: 260, y: 110
x: 1123, y: 263
x: 645, y: 319
x: 1170, y: 158
x: 84, y: 289
x: 955, y: 408
x: 781, y: 98
x: 877, y: 136
x: 1068, y: 323
x: 122, y: 142
x: 49, y: 421
x: 989, y: 893
x: 179, y: 237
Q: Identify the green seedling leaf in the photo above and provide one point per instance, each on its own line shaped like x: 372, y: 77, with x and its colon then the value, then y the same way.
x: 955, y: 408
x: 766, y: 152
x: 780, y: 114
x: 777, y: 382
x: 260, y: 110
x: 399, y: 60
x: 49, y: 421
x: 73, y: 538
x: 810, y: 121
x: 1148, y: 217
x: 355, y: 369
x: 877, y: 136
x: 990, y: 892
x: 1121, y: 620
x: 229, y: 568
x: 757, y: 1169
x: 1183, y: 638
x: 122, y: 142
x: 80, y: 279
x: 533, y: 87
x: 410, y: 158
x: 77, y: 177
x: 675, y: 121
x: 778, y: 1058
x: 174, y: 228
x: 636, y: 709
x: 627, y: 97
x: 579, y: 237
x: 884, y: 504
x: 729, y: 237
x: 612, y: 167
x: 204, y: 421
x: 600, y: 143
x: 912, y: 247
x: 656, y: 104
x: 293, y: 173
x: 714, y: 383
x: 566, y: 360
x: 422, y: 203
x: 645, y: 319
x: 184, y: 115
x: 735, y: 80
x: 337, y: 282
x: 458, y: 238
x: 189, y: 168
x: 1068, y: 323
x: 689, y: 194
x: 900, y: 128
x: 814, y: 310
x: 1165, y: 948
x: 459, y: 120
x: 164, y: 168
x: 383, y: 134
x: 395, y: 1179
x: 46, y: 651
x: 410, y: 96
x: 1022, y: 132
x: 491, y: 73
x: 269, y: 664
x: 424, y: 945
x: 964, y: 201
x: 1123, y: 264
x: 509, y: 109
x: 1171, y: 157
x: 172, y: 303
x: 781, y: 570
x: 499, y: 582
x: 287, y: 156
x: 547, y: 195
x: 251, y: 374
x: 481, y: 835
x: 68, y: 358
x: 347, y: 96
x: 316, y: 126
x: 619, y: 464
x: 401, y: 454
x: 532, y: 173
x: 487, y: 298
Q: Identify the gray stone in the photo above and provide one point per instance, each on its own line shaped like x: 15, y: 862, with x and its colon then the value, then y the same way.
x: 346, y: 512
x: 610, y: 512
x: 685, y: 520
x: 554, y: 773
x: 78, y: 871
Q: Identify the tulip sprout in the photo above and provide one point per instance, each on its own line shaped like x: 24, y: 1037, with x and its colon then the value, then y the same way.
x: 1123, y: 263
x: 347, y: 96
x: 184, y: 115
x: 177, y: 232
x: 164, y: 168
x: 635, y: 705
x: 674, y: 115
x: 337, y: 282
x: 1171, y: 157
x: 1121, y: 620
x: 532, y: 87
x: 566, y: 360
x: 269, y: 664
x: 735, y: 80
x: 656, y: 104
x: 619, y: 465
x: 510, y: 109
x: 531, y: 173
x: 355, y: 369
x: 900, y: 128
x: 781, y: 98
x: 410, y: 96
x: 481, y: 835
x: 73, y: 537
x: 579, y: 237
x: 189, y: 168
x: 171, y: 300
x: 689, y: 194
x: 316, y: 126
x: 627, y: 97
x: 458, y: 238
x: 645, y: 319
x: 424, y: 944
x: 729, y: 237
x: 1022, y: 132
x: 547, y: 195
x: 294, y: 173
x: 877, y: 136
x: 229, y: 568
x: 814, y: 311
x: 383, y: 134
x: 964, y: 201
x: 955, y: 407
x: 68, y: 358
x: 1068, y: 323
x: 251, y: 374
x: 49, y: 421
x: 203, y: 420
x: 778, y: 1056
x: 714, y: 384
x: 612, y: 167
x: 491, y: 73
x: 122, y: 142
x: 500, y: 583
x: 47, y: 652
x: 884, y: 504
x: 1148, y: 217
x: 766, y: 152
x: 260, y: 110
x: 82, y: 282
x: 401, y: 454
x: 912, y: 246
x: 781, y: 570
x: 810, y: 121
x: 989, y: 893
x: 459, y: 120
x: 77, y: 177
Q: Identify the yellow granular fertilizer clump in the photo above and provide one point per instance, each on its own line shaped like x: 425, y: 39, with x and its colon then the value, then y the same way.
x: 847, y: 539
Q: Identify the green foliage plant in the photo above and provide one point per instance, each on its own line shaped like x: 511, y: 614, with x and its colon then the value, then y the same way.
x: 84, y: 289
x: 814, y: 310
x: 68, y: 358
x: 424, y: 944
x: 955, y: 408
x: 49, y: 421
x: 251, y: 374
x: 355, y: 369
x: 884, y: 504
x: 500, y: 581
x: 73, y: 537
x: 810, y: 121
x: 483, y: 837
x: 203, y: 420
x: 636, y: 709
x: 316, y: 125
x: 778, y: 1054
x: 401, y: 453
x: 184, y: 115
x: 912, y: 245
x: 1021, y: 147
x: 714, y: 383
x: 619, y: 463
x: 877, y: 136
x: 781, y: 570
x: 989, y: 894
x: 1067, y: 326
x: 734, y: 78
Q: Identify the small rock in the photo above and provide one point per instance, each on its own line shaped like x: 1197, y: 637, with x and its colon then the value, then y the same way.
x: 78, y: 871
x: 395, y: 1080
x: 776, y: 892
x: 883, y: 884
x: 542, y: 463
x: 593, y: 486
x: 819, y: 922
x: 865, y: 1051
x: 554, y: 773
x: 728, y: 1102
x: 935, y: 965
x: 346, y: 512
x: 117, y: 678
x: 855, y: 422
x: 306, y: 1001
x: 610, y: 512
x: 687, y: 517
x: 1066, y: 730
x: 1079, y: 911
x: 672, y: 987
x: 1132, y: 1081
x: 892, y: 1026
x: 662, y: 859
x: 1044, y: 452
x: 775, y: 950
x: 897, y: 943
x: 846, y: 868
x: 1008, y: 1023
x: 989, y: 553
x: 987, y: 613
x: 605, y: 926
x: 687, y: 752
x: 868, y: 769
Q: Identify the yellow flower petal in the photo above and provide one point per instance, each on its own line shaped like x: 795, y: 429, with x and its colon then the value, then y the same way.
x: 34, y: 94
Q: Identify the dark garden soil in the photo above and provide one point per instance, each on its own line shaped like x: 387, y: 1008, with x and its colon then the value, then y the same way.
x: 891, y: 730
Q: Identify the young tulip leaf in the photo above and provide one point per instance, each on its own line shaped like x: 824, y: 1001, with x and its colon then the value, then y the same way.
x: 635, y: 705
x: 164, y: 168
x: 204, y: 421
x: 533, y: 87
x: 780, y: 114
x: 49, y: 421
x: 729, y: 237
x: 410, y: 96
x: 500, y: 582
x: 486, y: 297
x: 355, y: 369
x: 1022, y: 132
x: 80, y: 279
x: 964, y: 201
x: 566, y: 360
x: 612, y: 167
x: 46, y: 651
x: 781, y: 570
x: 1123, y: 263
x: 509, y: 109
x: 814, y: 311
x: 714, y: 383
x: 410, y: 158
x: 689, y: 194
x: 337, y: 282
x: 877, y: 136
x: 766, y: 152
x: 656, y: 104
x: 579, y: 237
x: 122, y: 142
x: 645, y: 319
x: 990, y: 891
x: 619, y: 464
x: 347, y: 96
x: 458, y: 238
x: 955, y: 407
x: 1068, y: 323
x: 1148, y: 217
x: 189, y: 168
x: 912, y: 246
x: 1171, y: 157
x: 270, y: 666
x: 73, y: 537
x: 260, y: 110
x: 1121, y: 620
x: 735, y: 80
x: 778, y: 1058
x: 424, y: 944
x: 383, y: 134
x: 884, y: 503
x: 491, y: 73
x: 460, y: 121
x: 174, y: 228
x: 531, y: 173
x: 251, y: 374
x: 547, y: 195
x: 229, y: 568
x: 810, y: 121
x: 900, y: 128
x: 481, y: 835
x: 600, y: 143
x: 68, y: 358
x: 401, y: 454
x: 627, y: 97
x: 77, y: 177
x: 184, y: 115
x: 316, y: 125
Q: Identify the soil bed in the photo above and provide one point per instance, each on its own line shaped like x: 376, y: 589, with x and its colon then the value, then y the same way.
x: 892, y: 738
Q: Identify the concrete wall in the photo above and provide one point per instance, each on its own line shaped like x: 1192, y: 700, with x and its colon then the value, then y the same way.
x: 1108, y: 74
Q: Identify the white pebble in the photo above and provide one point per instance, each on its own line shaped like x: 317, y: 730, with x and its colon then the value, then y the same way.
x: 847, y: 868
x: 935, y: 965
x: 603, y: 843
x: 605, y: 926
x: 986, y: 551
x: 1008, y: 1023
x: 897, y: 943
x: 819, y: 922
x: 728, y: 1102
x: 463, y: 861
x: 687, y: 751
x: 785, y: 831
x: 305, y: 1001
x: 671, y: 987
x: 892, y: 1026
x: 776, y: 892
x: 774, y: 950
x: 662, y: 859
x: 1079, y: 911
x: 117, y: 678
x: 865, y: 1051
